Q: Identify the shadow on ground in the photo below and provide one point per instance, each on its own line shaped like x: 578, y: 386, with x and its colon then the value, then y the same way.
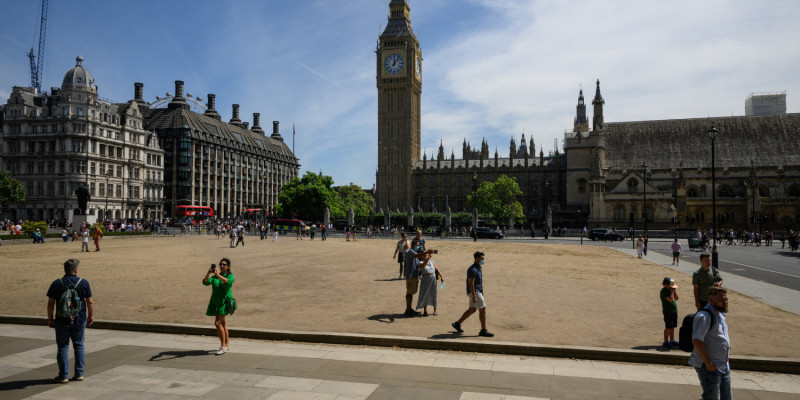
x: 19, y: 385
x: 388, y: 318
x: 656, y: 348
x: 171, y: 355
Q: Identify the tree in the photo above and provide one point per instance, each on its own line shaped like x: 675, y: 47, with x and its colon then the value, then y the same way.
x: 353, y: 196
x: 11, y: 190
x: 307, y: 197
x: 498, y: 198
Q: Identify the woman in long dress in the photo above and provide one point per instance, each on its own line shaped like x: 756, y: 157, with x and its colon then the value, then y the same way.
x: 640, y: 247
x: 427, y: 284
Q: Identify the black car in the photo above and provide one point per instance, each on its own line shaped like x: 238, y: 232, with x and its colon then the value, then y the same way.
x: 605, y: 235
x: 486, y: 233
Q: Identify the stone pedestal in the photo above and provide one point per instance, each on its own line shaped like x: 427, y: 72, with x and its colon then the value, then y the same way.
x: 77, y: 220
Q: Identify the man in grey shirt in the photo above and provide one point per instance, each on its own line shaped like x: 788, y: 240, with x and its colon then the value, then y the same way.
x: 712, y: 346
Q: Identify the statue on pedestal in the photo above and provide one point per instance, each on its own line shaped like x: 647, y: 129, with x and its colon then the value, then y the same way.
x: 83, y: 199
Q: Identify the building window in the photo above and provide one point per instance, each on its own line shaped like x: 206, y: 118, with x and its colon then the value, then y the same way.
x: 581, y: 185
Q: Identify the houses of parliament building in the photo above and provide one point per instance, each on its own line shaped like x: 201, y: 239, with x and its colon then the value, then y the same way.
x: 608, y: 174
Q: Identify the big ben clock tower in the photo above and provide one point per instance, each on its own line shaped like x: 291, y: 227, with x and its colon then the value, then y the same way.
x: 399, y: 81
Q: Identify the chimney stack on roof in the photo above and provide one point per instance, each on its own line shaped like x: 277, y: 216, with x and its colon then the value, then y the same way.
x: 178, y: 88
x: 211, y: 111
x: 257, y: 124
x: 138, y: 89
x: 178, y: 101
x: 235, y: 120
x: 246, y: 125
x: 276, y: 131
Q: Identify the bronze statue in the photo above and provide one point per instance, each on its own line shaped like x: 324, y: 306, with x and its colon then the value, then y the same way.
x: 83, y: 198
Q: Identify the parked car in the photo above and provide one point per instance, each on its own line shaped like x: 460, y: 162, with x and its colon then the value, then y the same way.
x: 487, y: 233
x: 605, y: 235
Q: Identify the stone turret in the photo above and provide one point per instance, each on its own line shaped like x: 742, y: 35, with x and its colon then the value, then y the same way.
x: 597, y: 102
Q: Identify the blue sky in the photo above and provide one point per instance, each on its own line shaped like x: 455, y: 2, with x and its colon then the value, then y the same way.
x: 492, y: 68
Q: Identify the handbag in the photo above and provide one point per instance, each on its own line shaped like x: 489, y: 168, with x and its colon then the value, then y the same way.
x: 230, y: 305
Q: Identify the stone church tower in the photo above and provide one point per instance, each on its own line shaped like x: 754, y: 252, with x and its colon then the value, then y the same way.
x: 399, y: 82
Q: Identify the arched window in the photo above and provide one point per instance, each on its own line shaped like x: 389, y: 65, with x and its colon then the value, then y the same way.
x: 763, y: 191
x: 794, y: 191
x: 692, y: 192
x: 726, y: 191
x: 619, y: 213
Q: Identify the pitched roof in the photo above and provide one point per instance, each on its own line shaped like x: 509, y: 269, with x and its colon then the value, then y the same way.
x: 768, y: 140
x: 210, y: 129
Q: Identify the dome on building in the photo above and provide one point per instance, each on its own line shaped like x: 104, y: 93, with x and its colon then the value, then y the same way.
x: 78, y: 76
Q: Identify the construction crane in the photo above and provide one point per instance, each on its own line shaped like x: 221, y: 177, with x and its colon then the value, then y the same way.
x: 38, y: 65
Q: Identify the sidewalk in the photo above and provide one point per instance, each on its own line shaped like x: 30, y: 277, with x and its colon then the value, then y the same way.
x: 776, y: 296
x: 133, y: 365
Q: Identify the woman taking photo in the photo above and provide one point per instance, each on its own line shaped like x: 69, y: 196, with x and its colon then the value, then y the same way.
x: 222, y: 302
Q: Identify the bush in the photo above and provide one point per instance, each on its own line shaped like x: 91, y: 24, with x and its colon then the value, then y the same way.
x: 29, y: 227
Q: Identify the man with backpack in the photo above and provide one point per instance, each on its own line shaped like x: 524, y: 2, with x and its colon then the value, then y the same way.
x: 70, y: 310
x: 712, y: 346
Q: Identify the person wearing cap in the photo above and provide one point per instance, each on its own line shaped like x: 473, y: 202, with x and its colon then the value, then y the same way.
x: 669, y: 307
x: 703, y: 279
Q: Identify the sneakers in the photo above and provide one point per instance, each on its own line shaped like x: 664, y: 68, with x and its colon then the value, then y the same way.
x: 457, y: 327
x: 674, y: 344
x: 60, y: 379
x: 485, y: 333
x: 221, y: 351
x: 77, y: 378
x: 667, y: 345
x: 411, y: 313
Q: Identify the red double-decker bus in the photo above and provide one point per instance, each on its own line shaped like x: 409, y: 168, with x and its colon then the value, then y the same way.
x: 193, y: 211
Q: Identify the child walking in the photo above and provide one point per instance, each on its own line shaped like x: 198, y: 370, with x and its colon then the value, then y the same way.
x: 669, y: 306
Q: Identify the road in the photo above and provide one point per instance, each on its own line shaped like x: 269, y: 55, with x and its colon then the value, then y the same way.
x: 769, y: 264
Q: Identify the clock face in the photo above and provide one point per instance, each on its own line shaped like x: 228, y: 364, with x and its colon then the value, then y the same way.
x: 419, y: 67
x: 393, y: 63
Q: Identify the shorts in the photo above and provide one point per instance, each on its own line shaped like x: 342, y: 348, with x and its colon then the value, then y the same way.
x: 670, y: 320
x: 480, y: 303
x: 676, y: 253
x: 411, y: 285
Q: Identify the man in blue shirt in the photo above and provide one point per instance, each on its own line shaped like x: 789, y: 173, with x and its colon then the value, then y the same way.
x: 70, y: 328
x: 475, y: 294
x: 712, y: 346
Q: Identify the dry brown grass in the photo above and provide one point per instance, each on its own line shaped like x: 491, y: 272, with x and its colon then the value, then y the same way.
x: 536, y: 293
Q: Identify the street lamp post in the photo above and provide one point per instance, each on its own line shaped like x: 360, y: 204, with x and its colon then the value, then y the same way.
x: 579, y: 226
x: 105, y: 212
x: 389, y: 198
x: 644, y: 195
x: 712, y: 132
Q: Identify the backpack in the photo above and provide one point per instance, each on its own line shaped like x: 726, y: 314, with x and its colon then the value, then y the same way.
x: 69, y: 304
x: 685, y: 333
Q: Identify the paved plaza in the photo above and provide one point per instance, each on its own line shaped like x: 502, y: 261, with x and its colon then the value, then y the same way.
x: 131, y: 365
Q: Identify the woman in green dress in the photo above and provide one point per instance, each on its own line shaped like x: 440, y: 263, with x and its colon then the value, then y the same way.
x: 221, y: 282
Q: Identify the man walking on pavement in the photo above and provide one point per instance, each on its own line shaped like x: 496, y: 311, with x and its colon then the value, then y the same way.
x: 712, y: 346
x: 475, y: 294
x: 703, y: 279
x: 70, y: 319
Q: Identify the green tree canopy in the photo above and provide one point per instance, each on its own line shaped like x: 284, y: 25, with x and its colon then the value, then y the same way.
x: 11, y: 190
x: 307, y: 197
x: 353, y: 196
x: 498, y: 198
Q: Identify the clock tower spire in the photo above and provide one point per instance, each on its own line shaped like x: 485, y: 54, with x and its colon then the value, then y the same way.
x: 399, y: 83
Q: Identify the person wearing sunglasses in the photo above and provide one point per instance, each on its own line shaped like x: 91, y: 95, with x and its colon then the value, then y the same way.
x: 222, y: 302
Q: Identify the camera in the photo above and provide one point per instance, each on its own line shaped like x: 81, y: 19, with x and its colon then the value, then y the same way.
x: 436, y: 252
x: 213, y: 267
